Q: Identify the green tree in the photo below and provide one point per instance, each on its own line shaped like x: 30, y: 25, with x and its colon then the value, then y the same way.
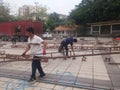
x: 4, y: 13
x: 50, y: 24
x: 54, y: 21
x: 42, y: 12
x: 55, y: 18
x: 96, y: 10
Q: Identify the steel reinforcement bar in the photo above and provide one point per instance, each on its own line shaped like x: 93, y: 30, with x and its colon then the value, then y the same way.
x: 12, y: 57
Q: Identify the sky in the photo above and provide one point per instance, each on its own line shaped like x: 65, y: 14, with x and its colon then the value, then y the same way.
x: 58, y: 6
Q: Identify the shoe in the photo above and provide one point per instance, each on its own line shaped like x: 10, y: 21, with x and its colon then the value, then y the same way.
x: 42, y: 75
x: 67, y: 56
x: 31, y: 79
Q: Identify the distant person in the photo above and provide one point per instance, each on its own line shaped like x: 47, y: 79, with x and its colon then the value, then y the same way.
x: 13, y: 39
x: 34, y: 44
x: 64, y: 45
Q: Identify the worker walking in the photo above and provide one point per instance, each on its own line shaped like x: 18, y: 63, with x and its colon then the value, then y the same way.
x: 34, y: 44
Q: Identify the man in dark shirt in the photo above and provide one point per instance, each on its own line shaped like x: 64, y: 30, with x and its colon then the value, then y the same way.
x: 64, y: 45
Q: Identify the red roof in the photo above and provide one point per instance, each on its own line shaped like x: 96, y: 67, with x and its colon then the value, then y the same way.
x: 65, y: 28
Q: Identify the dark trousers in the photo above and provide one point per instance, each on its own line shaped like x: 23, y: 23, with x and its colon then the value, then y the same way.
x: 36, y: 64
x: 13, y: 42
x: 63, y: 46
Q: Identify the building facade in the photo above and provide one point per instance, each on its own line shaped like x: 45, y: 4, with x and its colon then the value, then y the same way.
x: 27, y: 10
x: 109, y: 28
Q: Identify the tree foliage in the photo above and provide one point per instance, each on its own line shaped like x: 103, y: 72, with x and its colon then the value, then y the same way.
x: 54, y: 21
x: 96, y: 10
x: 42, y: 12
x: 4, y: 13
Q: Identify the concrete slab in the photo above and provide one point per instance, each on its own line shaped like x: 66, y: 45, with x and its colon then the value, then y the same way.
x: 62, y: 74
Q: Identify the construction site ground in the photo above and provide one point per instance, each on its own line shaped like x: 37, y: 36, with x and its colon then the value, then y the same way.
x: 94, y: 73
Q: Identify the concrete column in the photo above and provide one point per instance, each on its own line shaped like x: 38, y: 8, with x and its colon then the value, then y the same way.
x: 111, y: 29
x: 91, y: 30
x: 100, y: 30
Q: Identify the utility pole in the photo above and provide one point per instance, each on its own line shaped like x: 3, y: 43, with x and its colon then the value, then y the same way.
x: 36, y: 4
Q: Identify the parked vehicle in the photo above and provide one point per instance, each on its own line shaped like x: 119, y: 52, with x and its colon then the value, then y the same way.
x: 18, y: 29
x: 47, y: 35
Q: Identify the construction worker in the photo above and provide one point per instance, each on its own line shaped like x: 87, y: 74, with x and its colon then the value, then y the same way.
x: 13, y: 39
x: 34, y: 44
x: 64, y: 45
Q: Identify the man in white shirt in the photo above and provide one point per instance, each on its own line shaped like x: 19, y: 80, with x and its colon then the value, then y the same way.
x: 34, y: 44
